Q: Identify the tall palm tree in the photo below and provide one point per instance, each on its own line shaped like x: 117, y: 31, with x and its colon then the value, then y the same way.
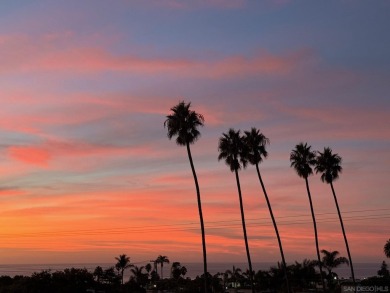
x: 233, y: 150
x: 184, y: 124
x: 329, y: 165
x: 161, y: 259
x: 256, y: 143
x: 386, y: 248
x: 302, y: 159
x: 122, y: 264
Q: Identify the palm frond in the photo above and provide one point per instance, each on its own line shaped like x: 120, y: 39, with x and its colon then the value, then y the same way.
x: 302, y: 159
x: 184, y: 124
x: 233, y: 150
x: 329, y: 165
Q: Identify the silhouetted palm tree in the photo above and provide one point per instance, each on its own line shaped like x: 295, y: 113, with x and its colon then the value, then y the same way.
x: 329, y: 165
x: 233, y: 150
x: 161, y: 259
x: 234, y: 276
x: 303, y: 274
x: 177, y: 270
x: 302, y: 159
x: 184, y: 124
x: 123, y: 263
x: 386, y: 248
x: 98, y: 273
x: 139, y: 276
x: 330, y: 260
x: 256, y: 143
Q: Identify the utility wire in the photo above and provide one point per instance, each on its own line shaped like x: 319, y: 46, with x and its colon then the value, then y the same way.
x: 262, y: 221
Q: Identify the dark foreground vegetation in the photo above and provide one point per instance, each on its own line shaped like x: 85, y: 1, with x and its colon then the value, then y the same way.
x: 303, y: 276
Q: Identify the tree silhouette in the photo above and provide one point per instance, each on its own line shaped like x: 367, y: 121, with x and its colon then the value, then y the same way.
x: 123, y: 264
x: 161, y: 259
x: 234, y: 276
x: 177, y: 270
x: 256, y: 143
x: 184, y: 124
x: 386, y: 248
x: 139, y: 276
x: 330, y: 260
x: 302, y: 159
x: 98, y: 273
x: 234, y: 151
x: 384, y: 271
x: 329, y: 165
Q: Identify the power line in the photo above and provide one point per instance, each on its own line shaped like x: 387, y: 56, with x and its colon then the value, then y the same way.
x: 189, y: 226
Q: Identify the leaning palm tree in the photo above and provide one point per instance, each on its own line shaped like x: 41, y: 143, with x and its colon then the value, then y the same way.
x: 233, y: 150
x: 184, y: 124
x: 386, y: 248
x: 122, y: 264
x: 256, y: 143
x: 302, y: 159
x: 329, y: 165
x: 161, y: 259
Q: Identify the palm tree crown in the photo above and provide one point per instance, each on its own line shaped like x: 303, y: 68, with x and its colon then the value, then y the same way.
x: 302, y: 158
x: 256, y: 142
x: 233, y: 150
x: 184, y: 124
x: 329, y: 165
x: 330, y: 259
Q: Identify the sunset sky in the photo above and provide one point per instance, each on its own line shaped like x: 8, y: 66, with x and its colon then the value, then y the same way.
x: 87, y: 171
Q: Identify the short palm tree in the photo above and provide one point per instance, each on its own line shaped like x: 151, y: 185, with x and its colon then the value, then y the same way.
x: 332, y: 260
x: 234, y: 151
x: 139, y: 276
x: 177, y: 270
x: 329, y: 165
x: 161, y: 259
x: 256, y: 143
x: 234, y: 276
x: 386, y: 248
x: 123, y: 264
x: 184, y: 124
x: 302, y: 159
x: 98, y: 273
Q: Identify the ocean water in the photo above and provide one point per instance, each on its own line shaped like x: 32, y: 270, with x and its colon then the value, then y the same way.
x: 362, y: 270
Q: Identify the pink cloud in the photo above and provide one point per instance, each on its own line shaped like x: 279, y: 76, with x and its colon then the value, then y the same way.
x: 42, y: 154
x: 45, y: 54
x: 30, y: 155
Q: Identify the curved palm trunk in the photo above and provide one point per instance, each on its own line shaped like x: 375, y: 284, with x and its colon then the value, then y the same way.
x: 200, y: 217
x: 276, y: 228
x: 315, y: 234
x: 162, y: 265
x: 345, y: 237
x: 244, y: 230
